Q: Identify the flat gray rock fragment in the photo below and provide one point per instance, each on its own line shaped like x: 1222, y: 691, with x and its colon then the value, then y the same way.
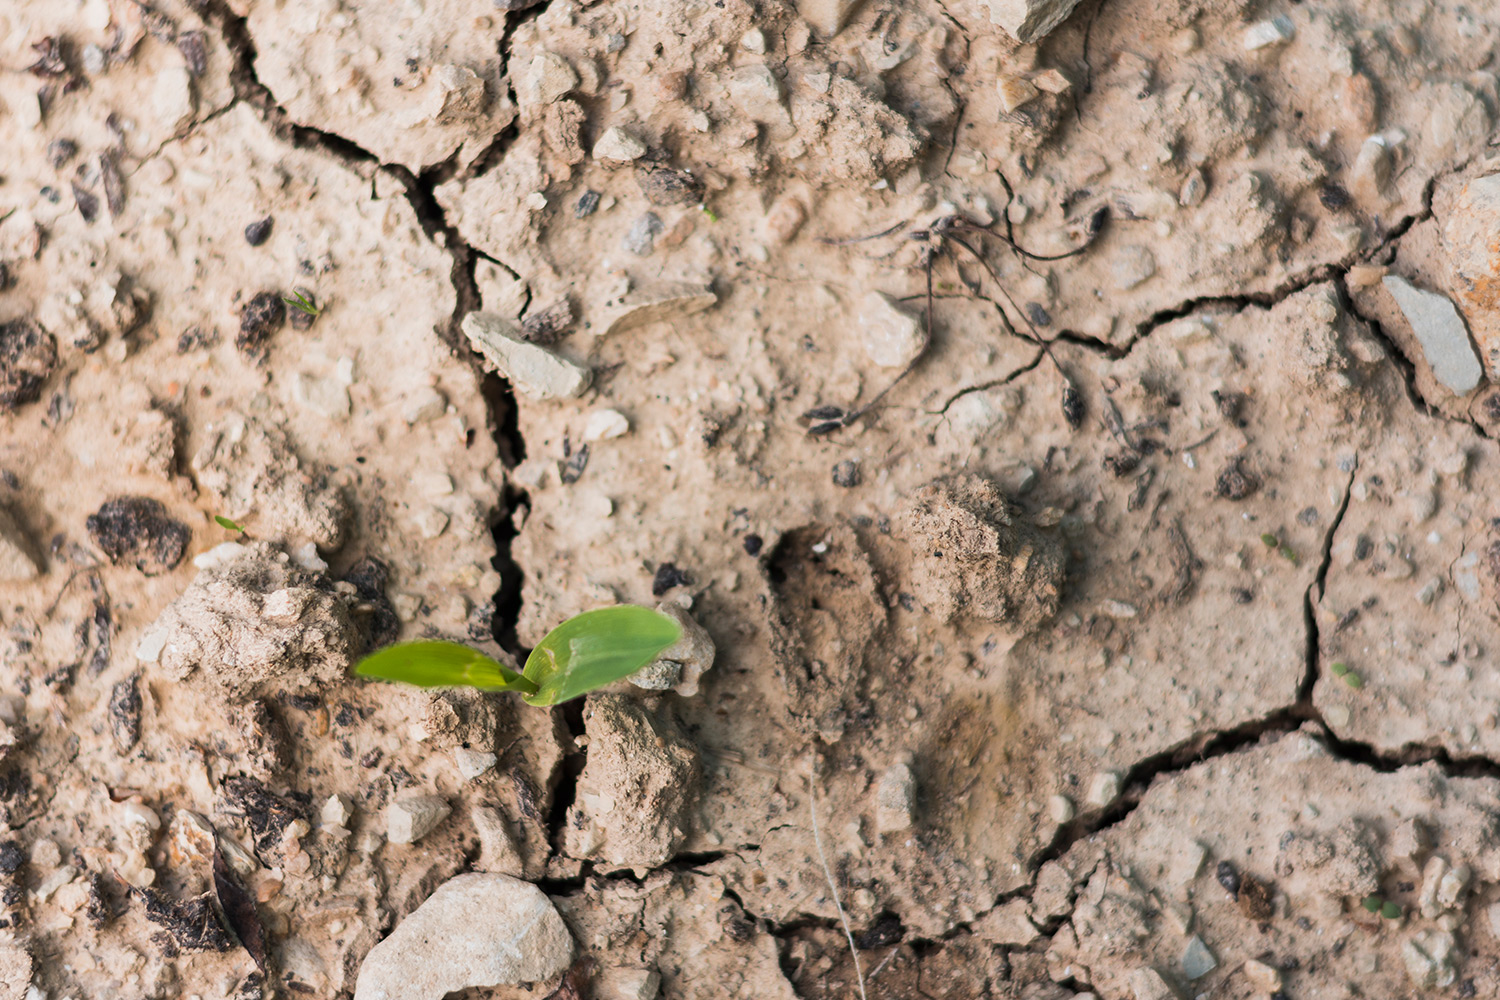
x: 535, y: 371
x: 480, y: 929
x: 1441, y: 331
x: 1029, y: 20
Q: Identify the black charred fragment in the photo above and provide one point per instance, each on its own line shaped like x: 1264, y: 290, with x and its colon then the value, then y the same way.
x: 382, y: 625
x: 125, y: 713
x: 820, y: 413
x: 27, y: 356
x: 262, y: 316
x: 1122, y: 464
x: 266, y: 813
x: 669, y: 576
x: 237, y: 907
x: 1072, y: 406
x: 192, y: 924
x: 100, y: 909
x: 12, y: 857
x: 884, y: 932
x: 138, y: 530
x: 846, y: 474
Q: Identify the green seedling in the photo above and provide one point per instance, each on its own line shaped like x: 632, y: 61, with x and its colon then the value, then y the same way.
x: 299, y: 301
x: 710, y: 213
x: 1385, y: 907
x: 1288, y: 554
x: 225, y: 522
x: 1269, y: 540
x: 582, y: 654
x: 1354, y: 680
x: 1339, y: 669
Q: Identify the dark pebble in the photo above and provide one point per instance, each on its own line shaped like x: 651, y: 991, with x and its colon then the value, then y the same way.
x: 884, y: 932
x: 667, y: 577
x: 1038, y: 315
x: 60, y: 151
x: 125, y: 713
x: 1228, y: 877
x: 753, y: 544
x: 27, y: 356
x: 258, y: 231
x: 262, y: 316
x: 588, y: 204
x: 11, y: 856
x: 139, y: 530
x: 195, y: 337
x: 846, y: 474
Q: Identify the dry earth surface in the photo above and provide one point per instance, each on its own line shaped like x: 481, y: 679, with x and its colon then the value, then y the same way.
x: 1071, y: 423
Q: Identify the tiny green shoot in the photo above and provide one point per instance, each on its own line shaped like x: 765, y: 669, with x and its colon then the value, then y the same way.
x: 299, y: 301
x: 712, y: 215
x: 226, y: 523
x: 1386, y: 908
x: 1287, y: 554
x: 1339, y: 669
x: 582, y: 654
x: 1269, y: 540
x: 1354, y: 680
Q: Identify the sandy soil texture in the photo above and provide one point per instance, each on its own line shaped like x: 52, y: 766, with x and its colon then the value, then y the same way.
x: 1066, y: 431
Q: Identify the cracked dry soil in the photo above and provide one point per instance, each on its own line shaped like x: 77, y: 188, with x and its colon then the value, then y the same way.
x: 1138, y: 644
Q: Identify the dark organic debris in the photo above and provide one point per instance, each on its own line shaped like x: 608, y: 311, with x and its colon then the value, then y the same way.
x: 669, y: 576
x: 666, y: 186
x: 1254, y: 898
x: 543, y: 326
x: 51, y: 61
x: 259, y: 231
x: 114, y: 184
x: 191, y: 924
x: 262, y: 316
x: 753, y: 544
x: 846, y: 474
x: 1072, y: 406
x: 60, y: 151
x: 1234, y: 482
x: 266, y: 813
x: 12, y: 857
x: 139, y: 530
x: 194, y: 48
x: 195, y: 337
x: 300, y: 318
x: 125, y: 713
x: 884, y: 932
x: 381, y: 623
x: 238, y: 909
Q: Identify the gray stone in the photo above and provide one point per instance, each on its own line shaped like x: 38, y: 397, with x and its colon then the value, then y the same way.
x: 533, y: 370
x: 1147, y: 984
x: 476, y: 930
x: 1132, y: 265
x: 413, y: 816
x: 618, y: 145
x: 691, y: 656
x: 472, y: 763
x: 893, y: 337
x: 641, y: 239
x: 895, y: 799
x: 1441, y: 332
x: 1029, y: 20
x: 1197, y: 961
x: 1429, y: 959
